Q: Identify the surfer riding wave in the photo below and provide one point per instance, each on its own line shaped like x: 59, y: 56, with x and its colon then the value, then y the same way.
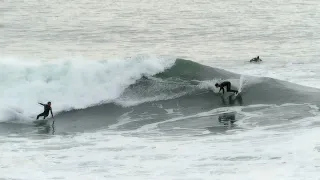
x: 47, y: 108
x: 228, y: 85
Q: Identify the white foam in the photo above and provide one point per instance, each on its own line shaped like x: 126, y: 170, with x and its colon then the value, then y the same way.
x: 252, y: 154
x: 70, y: 83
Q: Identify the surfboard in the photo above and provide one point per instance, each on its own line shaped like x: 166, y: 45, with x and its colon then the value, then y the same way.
x: 40, y: 122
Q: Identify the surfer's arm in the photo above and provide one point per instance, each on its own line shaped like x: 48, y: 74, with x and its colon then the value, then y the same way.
x: 41, y: 104
x: 51, y: 113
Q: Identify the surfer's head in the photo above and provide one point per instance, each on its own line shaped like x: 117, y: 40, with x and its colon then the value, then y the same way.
x: 217, y: 85
x: 49, y: 103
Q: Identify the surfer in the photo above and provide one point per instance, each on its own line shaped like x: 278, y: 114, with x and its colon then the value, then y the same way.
x: 256, y: 59
x: 47, y: 108
x: 223, y: 84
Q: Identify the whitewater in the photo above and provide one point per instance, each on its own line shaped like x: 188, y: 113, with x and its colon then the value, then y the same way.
x: 70, y: 84
x: 133, y: 96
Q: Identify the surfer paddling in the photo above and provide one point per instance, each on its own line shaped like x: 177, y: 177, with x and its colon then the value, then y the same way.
x: 47, y: 108
x: 227, y: 84
x: 255, y: 60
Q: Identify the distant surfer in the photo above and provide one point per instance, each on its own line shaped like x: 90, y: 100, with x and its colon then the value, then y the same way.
x: 47, y: 108
x: 227, y: 84
x: 256, y: 59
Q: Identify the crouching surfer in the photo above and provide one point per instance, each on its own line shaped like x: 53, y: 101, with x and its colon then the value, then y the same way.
x: 47, y: 108
x: 228, y: 85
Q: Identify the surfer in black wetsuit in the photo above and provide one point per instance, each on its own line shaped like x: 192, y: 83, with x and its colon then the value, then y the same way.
x: 223, y: 84
x: 47, y: 108
x: 256, y: 59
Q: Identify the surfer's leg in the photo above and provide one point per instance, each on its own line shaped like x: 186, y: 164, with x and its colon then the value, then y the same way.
x: 228, y: 87
x: 230, y: 90
x: 235, y: 91
x: 42, y: 114
x: 45, y: 115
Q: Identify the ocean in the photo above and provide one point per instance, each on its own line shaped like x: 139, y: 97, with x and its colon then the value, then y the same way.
x: 133, y: 96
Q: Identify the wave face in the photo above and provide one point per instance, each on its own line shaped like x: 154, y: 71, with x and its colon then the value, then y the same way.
x: 104, y: 90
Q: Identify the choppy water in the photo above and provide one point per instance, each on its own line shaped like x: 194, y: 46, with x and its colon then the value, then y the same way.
x: 79, y: 54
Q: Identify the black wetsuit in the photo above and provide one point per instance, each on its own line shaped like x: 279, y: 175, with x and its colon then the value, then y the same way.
x: 228, y: 84
x: 45, y: 113
x: 256, y: 59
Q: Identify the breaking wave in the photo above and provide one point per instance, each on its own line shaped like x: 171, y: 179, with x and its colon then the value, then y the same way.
x: 133, y: 82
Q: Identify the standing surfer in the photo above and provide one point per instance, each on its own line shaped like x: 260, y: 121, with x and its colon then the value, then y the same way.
x: 47, y: 108
x: 223, y: 84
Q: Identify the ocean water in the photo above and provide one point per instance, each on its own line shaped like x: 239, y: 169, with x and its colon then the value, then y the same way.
x: 132, y: 90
